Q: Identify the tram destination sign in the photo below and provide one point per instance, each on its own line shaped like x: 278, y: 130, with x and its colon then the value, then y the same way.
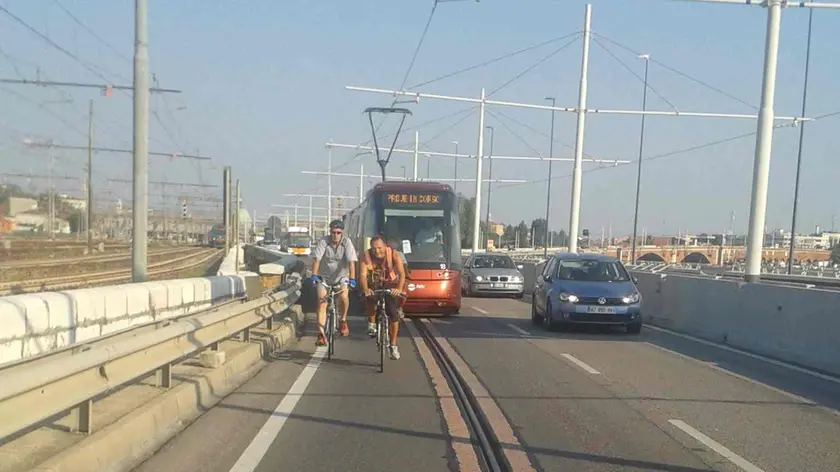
x: 415, y: 199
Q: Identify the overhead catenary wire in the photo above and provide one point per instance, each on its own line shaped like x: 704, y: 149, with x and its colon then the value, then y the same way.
x: 90, y: 67
x: 515, y: 134
x: 90, y: 31
x: 533, y: 66
x: 678, y: 72
x: 531, y: 128
x: 635, y: 74
x: 673, y: 153
x: 494, y: 60
x: 411, y: 63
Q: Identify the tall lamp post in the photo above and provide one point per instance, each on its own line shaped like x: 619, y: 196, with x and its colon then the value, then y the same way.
x: 646, y: 57
x: 489, y: 183
x: 548, y: 191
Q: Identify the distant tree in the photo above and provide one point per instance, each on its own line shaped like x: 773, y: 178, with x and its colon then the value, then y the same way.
x: 524, y: 234
x: 538, y: 230
x: 835, y: 254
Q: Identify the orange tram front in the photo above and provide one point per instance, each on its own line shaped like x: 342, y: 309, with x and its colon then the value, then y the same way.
x: 421, y: 221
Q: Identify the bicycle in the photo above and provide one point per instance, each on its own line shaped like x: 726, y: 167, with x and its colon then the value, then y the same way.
x: 382, y: 331
x: 331, y: 326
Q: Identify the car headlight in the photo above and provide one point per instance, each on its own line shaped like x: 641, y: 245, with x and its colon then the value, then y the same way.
x: 514, y: 279
x: 632, y: 298
x: 478, y: 278
x: 568, y: 297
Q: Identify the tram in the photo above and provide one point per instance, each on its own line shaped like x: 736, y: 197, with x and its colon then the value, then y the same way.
x: 421, y: 221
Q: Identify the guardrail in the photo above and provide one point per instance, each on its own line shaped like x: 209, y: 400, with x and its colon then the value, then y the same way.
x: 71, y: 384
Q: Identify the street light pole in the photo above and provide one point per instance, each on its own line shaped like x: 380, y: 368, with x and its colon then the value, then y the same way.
x: 548, y: 190
x: 489, y: 183
x: 646, y: 57
x: 801, y: 138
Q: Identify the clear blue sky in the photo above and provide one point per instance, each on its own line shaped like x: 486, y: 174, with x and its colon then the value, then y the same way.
x: 263, y: 90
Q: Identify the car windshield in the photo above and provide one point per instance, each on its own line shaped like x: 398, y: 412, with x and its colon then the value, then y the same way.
x: 299, y: 241
x: 493, y: 262
x: 591, y: 270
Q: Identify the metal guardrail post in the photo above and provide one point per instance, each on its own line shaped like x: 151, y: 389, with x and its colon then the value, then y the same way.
x: 164, y: 376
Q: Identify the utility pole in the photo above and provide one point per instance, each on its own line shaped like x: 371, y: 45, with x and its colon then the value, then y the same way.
x: 574, y: 216
x: 329, y: 187
x: 361, y: 188
x: 456, y: 166
x: 478, y: 174
x: 548, y: 189
x: 646, y: 57
x: 416, y: 152
x: 236, y: 232
x: 226, y: 210
x: 799, y: 154
x: 139, y: 260
x: 89, y: 192
x: 490, y: 183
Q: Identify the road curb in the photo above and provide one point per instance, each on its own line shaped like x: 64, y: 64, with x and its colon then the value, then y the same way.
x: 124, y: 445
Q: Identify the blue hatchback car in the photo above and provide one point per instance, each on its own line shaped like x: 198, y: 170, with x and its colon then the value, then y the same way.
x: 586, y: 289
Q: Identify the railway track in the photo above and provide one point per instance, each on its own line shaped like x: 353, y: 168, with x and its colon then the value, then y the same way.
x: 36, y: 269
x: 22, y: 249
x: 156, y: 271
x: 487, y: 444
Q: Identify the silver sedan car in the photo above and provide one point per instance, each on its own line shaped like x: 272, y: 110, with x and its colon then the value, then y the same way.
x: 492, y: 274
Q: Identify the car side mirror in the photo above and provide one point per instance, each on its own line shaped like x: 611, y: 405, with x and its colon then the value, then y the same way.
x: 635, y: 279
x: 520, y: 266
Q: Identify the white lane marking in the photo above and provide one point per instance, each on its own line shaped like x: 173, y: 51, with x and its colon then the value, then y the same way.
x: 479, y: 309
x: 748, y: 354
x: 574, y: 360
x: 518, y: 330
x: 716, y: 446
x: 250, y: 459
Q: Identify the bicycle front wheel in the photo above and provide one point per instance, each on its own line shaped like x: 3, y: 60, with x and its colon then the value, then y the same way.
x: 330, y: 335
x: 383, y: 341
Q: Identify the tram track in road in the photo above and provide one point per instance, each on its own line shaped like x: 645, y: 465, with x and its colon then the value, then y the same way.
x: 485, y: 427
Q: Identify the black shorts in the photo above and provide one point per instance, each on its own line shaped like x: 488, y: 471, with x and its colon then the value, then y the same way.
x: 392, y: 306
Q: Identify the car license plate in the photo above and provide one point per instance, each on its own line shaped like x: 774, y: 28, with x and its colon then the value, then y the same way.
x: 608, y: 310
x: 497, y: 285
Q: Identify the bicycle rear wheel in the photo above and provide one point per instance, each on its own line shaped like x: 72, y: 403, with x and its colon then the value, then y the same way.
x: 383, y: 340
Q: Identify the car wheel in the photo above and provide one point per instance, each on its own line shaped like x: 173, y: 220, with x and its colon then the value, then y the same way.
x: 535, y: 318
x: 634, y: 328
x: 547, y: 317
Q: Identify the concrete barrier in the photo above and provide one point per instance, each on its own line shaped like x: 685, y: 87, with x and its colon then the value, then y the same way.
x: 797, y: 325
x: 37, y: 323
